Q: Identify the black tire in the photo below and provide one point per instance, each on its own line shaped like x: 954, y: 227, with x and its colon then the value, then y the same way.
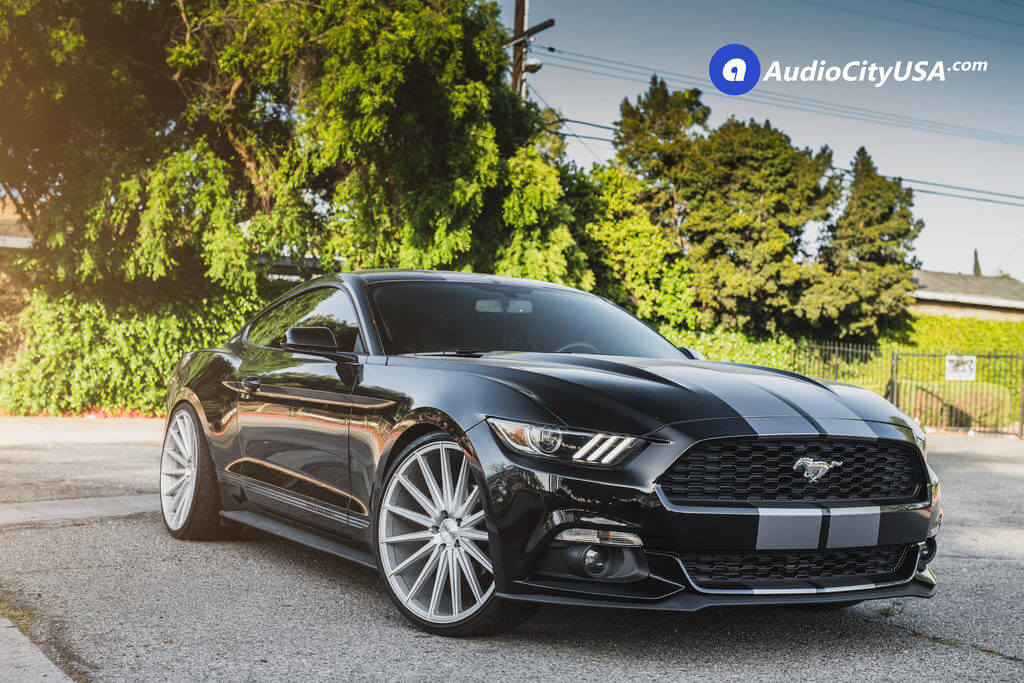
x: 202, y: 521
x: 495, y: 616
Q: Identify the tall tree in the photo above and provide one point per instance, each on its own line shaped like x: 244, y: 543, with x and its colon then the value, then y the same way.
x: 750, y: 195
x: 214, y: 136
x: 866, y: 257
x: 654, y: 139
x: 977, y: 264
x: 636, y: 264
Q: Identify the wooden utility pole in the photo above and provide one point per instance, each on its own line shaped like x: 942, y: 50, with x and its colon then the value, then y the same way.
x: 519, y: 49
x: 520, y: 44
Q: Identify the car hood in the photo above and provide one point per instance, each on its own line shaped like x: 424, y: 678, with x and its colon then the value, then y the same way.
x: 641, y: 395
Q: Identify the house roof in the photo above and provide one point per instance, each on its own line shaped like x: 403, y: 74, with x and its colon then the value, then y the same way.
x: 1000, y: 292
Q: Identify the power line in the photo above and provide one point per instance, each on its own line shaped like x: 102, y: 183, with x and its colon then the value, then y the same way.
x: 761, y: 92
x: 807, y: 109
x: 965, y: 189
x: 794, y: 102
x: 952, y: 10
x: 581, y: 139
x: 847, y: 172
x: 915, y: 24
x: 963, y: 196
x: 588, y: 123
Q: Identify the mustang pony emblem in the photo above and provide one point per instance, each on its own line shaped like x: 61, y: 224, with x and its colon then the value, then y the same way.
x: 815, y: 469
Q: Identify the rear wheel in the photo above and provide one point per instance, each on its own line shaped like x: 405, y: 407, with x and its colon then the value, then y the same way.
x: 189, y: 499
x: 432, y: 543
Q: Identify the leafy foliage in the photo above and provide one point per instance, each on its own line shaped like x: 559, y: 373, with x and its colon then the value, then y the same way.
x: 752, y: 194
x: 83, y: 353
x: 359, y: 133
x: 866, y: 254
x: 740, y: 200
x: 655, y: 138
x: 637, y: 264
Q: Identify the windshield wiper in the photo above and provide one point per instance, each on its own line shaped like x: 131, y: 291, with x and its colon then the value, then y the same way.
x: 468, y: 353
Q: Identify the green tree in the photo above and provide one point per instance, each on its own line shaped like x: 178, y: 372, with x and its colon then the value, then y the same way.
x: 241, y: 131
x: 636, y: 264
x: 750, y: 196
x: 866, y: 257
x: 654, y: 138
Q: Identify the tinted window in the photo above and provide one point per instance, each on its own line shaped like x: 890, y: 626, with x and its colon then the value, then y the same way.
x: 263, y: 329
x: 421, y: 317
x: 322, y: 307
x: 334, y: 310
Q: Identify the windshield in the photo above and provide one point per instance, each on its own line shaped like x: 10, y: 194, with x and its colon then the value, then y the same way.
x: 433, y: 317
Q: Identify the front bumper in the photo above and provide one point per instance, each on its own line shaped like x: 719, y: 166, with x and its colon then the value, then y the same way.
x: 530, y: 502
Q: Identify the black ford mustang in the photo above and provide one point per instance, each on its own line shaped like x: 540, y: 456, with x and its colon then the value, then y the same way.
x: 489, y: 443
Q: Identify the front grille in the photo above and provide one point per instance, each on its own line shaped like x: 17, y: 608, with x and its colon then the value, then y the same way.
x: 761, y: 471
x: 760, y: 568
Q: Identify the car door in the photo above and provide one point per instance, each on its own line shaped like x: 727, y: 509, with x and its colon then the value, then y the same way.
x: 293, y: 413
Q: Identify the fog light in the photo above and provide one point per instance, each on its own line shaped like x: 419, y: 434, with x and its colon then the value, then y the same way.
x: 595, y: 560
x: 600, y: 537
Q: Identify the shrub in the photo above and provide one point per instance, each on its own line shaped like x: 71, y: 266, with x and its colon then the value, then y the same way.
x: 83, y: 353
x: 943, y: 334
x: 736, y: 347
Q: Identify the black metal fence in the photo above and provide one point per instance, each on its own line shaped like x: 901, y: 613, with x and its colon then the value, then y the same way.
x: 980, y: 392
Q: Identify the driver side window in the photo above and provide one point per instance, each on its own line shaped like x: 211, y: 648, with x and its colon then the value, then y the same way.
x: 321, y: 307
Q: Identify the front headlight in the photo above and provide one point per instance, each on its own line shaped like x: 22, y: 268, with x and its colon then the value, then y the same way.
x: 583, y: 448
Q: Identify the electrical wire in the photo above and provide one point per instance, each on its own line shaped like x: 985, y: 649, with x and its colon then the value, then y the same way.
x: 762, y: 92
x: 963, y: 196
x: 961, y: 12
x: 915, y: 24
x: 804, y: 104
x: 574, y: 134
x: 965, y: 189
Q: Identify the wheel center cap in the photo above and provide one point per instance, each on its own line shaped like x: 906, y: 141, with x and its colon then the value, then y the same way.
x: 449, y: 531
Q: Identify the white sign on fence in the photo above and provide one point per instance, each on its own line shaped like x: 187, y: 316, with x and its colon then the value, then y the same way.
x: 961, y: 368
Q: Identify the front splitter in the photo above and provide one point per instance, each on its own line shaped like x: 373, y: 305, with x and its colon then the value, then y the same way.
x: 923, y: 585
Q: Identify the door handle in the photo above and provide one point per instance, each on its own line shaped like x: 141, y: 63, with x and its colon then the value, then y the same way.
x: 250, y: 385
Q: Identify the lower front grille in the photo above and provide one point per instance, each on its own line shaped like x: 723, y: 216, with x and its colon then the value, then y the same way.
x: 786, y: 568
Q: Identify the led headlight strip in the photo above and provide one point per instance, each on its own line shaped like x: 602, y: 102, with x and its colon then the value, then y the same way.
x: 585, y: 448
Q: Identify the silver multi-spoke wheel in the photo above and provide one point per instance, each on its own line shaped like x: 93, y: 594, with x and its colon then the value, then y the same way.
x: 432, y: 538
x: 179, y: 467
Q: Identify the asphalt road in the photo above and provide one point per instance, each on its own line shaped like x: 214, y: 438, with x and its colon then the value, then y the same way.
x: 116, y: 598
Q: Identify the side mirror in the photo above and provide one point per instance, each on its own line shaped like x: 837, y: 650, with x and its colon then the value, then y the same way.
x: 691, y: 354
x: 317, y: 340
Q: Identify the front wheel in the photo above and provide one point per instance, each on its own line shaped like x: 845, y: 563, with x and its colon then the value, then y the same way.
x: 432, y: 543
x: 189, y: 499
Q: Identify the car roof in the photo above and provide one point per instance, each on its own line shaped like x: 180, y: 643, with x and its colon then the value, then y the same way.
x: 398, y: 275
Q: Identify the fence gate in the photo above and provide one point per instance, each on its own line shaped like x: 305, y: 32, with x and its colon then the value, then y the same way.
x: 984, y: 393
x: 961, y: 391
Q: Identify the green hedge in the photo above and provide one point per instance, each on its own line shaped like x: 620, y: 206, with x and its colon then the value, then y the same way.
x: 736, y: 348
x: 83, y: 354
x: 942, y: 334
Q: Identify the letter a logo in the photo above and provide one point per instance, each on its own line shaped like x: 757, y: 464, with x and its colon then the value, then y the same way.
x: 734, y: 69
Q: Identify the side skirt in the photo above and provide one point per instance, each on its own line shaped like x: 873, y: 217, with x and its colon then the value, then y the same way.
x: 311, y: 539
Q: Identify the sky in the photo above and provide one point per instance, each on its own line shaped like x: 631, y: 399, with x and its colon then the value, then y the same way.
x: 681, y: 37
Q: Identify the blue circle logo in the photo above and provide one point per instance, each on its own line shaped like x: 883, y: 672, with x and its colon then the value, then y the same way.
x: 734, y: 69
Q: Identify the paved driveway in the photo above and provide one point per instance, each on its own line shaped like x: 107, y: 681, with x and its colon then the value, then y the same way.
x: 106, y: 596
